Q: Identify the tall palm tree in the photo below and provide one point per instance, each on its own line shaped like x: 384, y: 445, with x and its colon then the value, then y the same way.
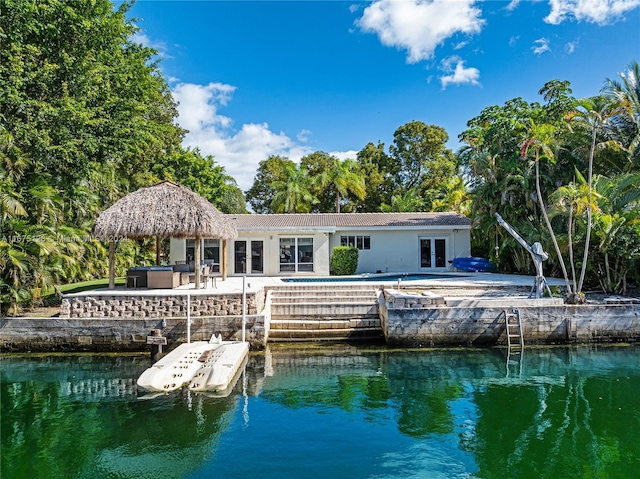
x: 592, y: 114
x: 342, y: 178
x: 293, y: 195
x: 539, y: 139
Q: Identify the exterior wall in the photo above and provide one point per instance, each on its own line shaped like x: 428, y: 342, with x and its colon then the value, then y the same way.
x: 399, y: 250
x: 272, y: 252
x: 177, y: 250
x: 392, y: 250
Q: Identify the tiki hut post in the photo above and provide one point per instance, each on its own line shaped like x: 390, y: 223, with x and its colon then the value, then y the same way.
x: 112, y: 266
x: 223, y: 263
x: 196, y: 262
x: 165, y: 210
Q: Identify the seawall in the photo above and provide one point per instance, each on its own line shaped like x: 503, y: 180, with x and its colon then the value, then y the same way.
x: 122, y: 322
x: 482, y: 323
x: 108, y: 334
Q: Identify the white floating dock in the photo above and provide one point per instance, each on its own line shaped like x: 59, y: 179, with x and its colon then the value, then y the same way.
x: 201, y: 365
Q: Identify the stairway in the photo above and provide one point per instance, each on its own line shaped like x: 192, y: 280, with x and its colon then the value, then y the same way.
x: 324, y: 313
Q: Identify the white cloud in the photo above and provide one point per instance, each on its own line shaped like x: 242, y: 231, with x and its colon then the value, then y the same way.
x: 419, y: 26
x: 540, y: 46
x: 303, y: 135
x: 512, y: 6
x: 594, y: 11
x: 239, y: 151
x: 344, y: 155
x: 459, y: 74
x: 570, y: 47
x: 513, y: 40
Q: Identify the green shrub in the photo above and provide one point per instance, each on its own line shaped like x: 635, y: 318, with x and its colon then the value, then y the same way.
x: 344, y: 260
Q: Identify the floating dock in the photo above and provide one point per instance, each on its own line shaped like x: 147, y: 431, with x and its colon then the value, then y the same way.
x: 200, y: 365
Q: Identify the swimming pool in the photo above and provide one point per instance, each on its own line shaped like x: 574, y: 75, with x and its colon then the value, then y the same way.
x: 377, y: 278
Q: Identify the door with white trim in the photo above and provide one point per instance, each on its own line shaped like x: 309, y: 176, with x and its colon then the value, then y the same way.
x: 433, y: 253
x: 248, y: 257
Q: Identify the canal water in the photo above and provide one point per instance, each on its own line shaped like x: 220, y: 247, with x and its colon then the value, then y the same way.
x: 331, y: 412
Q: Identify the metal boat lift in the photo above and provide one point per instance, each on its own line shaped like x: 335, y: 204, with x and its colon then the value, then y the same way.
x: 537, y: 254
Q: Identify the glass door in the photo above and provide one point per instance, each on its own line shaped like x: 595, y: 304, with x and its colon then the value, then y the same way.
x: 257, y: 257
x: 433, y: 253
x: 425, y: 252
x: 240, y: 257
x: 245, y: 263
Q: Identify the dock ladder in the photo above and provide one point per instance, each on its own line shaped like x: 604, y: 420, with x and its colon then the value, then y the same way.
x: 515, y: 340
x: 513, y: 329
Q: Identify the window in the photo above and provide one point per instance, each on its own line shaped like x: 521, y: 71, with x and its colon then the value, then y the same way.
x: 296, y: 254
x: 210, y: 251
x: 360, y: 242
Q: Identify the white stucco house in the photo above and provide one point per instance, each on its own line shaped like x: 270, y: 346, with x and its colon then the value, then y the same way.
x: 301, y: 244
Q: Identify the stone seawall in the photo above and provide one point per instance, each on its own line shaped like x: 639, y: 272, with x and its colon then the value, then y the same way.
x: 109, y: 334
x: 484, y: 326
x: 143, y: 304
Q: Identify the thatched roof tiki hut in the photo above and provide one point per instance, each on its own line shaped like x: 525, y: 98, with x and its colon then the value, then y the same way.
x: 165, y: 210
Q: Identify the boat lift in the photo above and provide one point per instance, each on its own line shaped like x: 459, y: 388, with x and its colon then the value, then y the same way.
x: 537, y: 254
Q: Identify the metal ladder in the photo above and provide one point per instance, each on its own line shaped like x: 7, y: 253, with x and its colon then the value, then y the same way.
x: 513, y: 329
x: 515, y: 341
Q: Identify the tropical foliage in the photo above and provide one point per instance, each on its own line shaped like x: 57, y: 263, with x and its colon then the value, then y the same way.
x: 85, y: 117
x: 561, y: 172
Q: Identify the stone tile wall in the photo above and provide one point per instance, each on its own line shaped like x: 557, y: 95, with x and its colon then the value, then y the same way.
x: 152, y: 306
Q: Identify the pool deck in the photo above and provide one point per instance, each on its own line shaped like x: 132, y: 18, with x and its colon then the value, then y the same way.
x: 234, y: 284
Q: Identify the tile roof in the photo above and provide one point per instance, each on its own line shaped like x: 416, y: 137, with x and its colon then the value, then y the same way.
x: 346, y: 220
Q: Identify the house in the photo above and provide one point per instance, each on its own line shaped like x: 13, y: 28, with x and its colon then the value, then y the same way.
x: 301, y: 244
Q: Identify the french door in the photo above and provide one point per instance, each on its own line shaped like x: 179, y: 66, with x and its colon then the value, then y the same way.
x: 248, y: 257
x: 433, y: 253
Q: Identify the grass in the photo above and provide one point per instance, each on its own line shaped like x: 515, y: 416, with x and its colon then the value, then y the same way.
x: 52, y: 299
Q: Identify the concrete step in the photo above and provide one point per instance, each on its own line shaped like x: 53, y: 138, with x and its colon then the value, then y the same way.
x: 318, y: 324
x: 324, y: 294
x: 324, y: 287
x: 324, y: 309
x: 291, y: 335
x: 324, y: 299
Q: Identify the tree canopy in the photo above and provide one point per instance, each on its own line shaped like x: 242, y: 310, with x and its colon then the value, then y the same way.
x: 86, y: 116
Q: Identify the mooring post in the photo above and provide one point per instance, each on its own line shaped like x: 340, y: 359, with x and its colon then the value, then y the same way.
x: 156, y: 340
x: 244, y: 307
x: 188, y: 318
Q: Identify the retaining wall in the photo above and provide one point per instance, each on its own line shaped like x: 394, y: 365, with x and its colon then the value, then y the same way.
x: 148, y: 305
x: 480, y: 326
x: 108, y: 334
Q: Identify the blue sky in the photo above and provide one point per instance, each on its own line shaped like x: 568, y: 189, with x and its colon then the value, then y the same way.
x: 288, y: 78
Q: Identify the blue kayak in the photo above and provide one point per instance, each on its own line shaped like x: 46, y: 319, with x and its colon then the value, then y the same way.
x: 473, y: 264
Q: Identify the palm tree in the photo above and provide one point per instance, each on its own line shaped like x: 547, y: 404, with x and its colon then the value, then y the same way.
x: 539, y: 138
x: 293, y: 195
x: 342, y: 178
x: 627, y: 94
x: 593, y: 114
x: 574, y: 199
x: 406, y: 202
x: 616, y: 229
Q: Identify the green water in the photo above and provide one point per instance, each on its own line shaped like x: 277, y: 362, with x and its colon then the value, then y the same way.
x: 331, y: 412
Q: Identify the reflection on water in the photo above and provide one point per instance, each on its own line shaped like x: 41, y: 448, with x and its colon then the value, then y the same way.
x: 331, y: 411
